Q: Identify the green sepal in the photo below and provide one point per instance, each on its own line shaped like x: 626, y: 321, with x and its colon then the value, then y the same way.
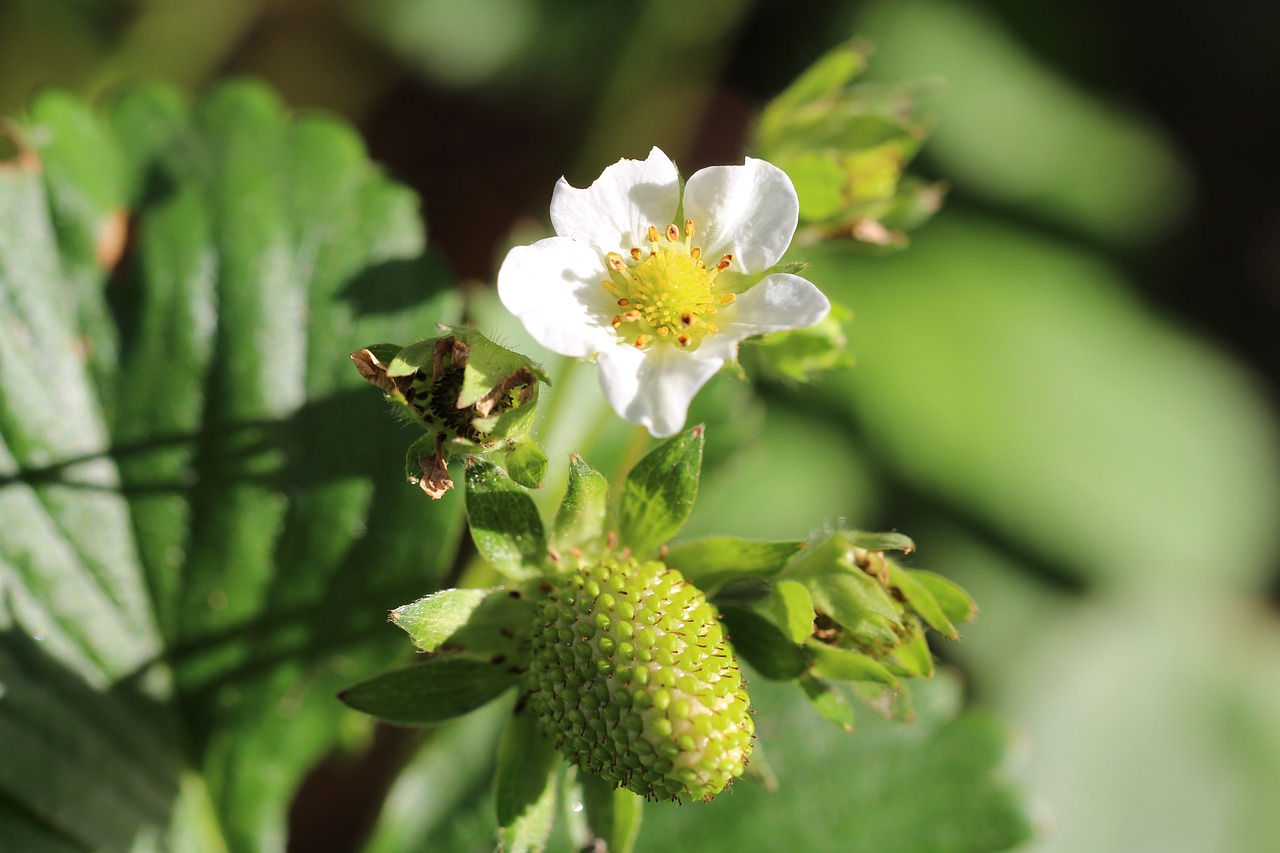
x: 527, y: 761
x: 823, y: 80
x: 880, y: 541
x: 761, y: 643
x: 713, y: 562
x: 912, y: 656
x: 482, y: 623
x: 505, y: 524
x: 956, y: 604
x: 440, y: 688
x: 833, y: 705
x: 613, y: 814
x: 847, y: 664
x: 432, y: 620
x: 843, y: 591
x: 526, y: 462
x: 921, y: 600
x: 658, y: 494
x: 581, y: 516
x: 793, y: 608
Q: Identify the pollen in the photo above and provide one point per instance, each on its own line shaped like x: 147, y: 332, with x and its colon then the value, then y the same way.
x: 670, y: 292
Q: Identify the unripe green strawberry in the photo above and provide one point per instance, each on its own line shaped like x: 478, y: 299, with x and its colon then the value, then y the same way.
x: 632, y: 677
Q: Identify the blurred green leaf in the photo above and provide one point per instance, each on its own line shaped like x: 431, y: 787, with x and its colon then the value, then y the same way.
x: 921, y: 600
x: 613, y: 814
x: 504, y: 521
x: 437, y: 689
x: 956, y: 604
x: 658, y: 493
x: 847, y: 665
x: 793, y: 608
x: 1015, y: 380
x: 830, y: 703
x: 1010, y: 129
x: 203, y: 543
x: 526, y: 761
x: 431, y: 620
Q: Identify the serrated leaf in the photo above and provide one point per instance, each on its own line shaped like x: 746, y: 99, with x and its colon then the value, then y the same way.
x: 713, y: 562
x: 613, y: 814
x: 504, y: 521
x: 793, y: 608
x: 847, y: 665
x: 658, y: 493
x: 438, y: 689
x: 580, y: 518
x: 762, y: 644
x: 188, y: 474
x: 527, y: 760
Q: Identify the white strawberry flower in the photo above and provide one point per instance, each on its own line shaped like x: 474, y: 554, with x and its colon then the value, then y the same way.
x: 660, y: 285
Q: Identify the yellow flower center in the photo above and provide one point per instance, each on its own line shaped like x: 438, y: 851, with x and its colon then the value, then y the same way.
x: 667, y: 294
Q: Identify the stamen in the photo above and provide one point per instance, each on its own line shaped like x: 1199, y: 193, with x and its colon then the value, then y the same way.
x: 712, y: 328
x: 728, y: 298
x: 610, y: 286
x: 653, y: 234
x: 673, y: 233
x: 683, y: 340
x: 688, y: 228
x: 614, y: 260
x: 695, y: 252
x: 724, y: 262
x: 663, y: 331
x: 686, y: 319
x: 635, y: 253
x: 623, y: 302
x: 617, y: 320
x: 642, y: 341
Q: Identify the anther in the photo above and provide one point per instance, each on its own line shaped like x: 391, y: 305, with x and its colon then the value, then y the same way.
x: 624, y: 302
x: 688, y: 228
x: 653, y: 234
x: 712, y: 328
x: 614, y: 260
x: 642, y: 341
x: 663, y: 331
x: 609, y: 286
x: 695, y: 252
x: 673, y: 233
x: 724, y: 262
x: 686, y: 319
x: 728, y: 298
x: 635, y: 253
x: 683, y: 340
x: 617, y: 320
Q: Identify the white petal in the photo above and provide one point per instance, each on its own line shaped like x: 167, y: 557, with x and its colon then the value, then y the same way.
x: 748, y: 211
x: 778, y: 302
x: 615, y: 212
x: 553, y: 287
x: 654, y: 388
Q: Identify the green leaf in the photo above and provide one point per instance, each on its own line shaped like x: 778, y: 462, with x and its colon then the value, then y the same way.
x: 529, y: 832
x: 658, y: 494
x: 847, y: 665
x: 711, y: 563
x: 527, y: 760
x: 793, y: 608
x: 200, y: 531
x: 613, y: 814
x: 762, y: 644
x: 504, y: 521
x: 580, y: 518
x: 440, y: 688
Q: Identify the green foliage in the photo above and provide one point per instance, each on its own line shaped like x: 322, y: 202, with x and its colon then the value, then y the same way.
x: 438, y: 689
x: 202, y: 558
x: 658, y: 494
